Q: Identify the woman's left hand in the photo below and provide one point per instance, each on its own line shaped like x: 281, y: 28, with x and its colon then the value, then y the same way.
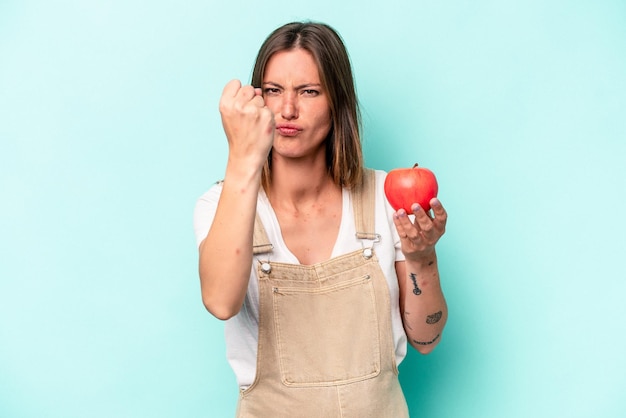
x: 418, y: 238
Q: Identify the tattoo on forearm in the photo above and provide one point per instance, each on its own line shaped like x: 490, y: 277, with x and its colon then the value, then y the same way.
x: 416, y: 290
x: 434, y: 318
x: 427, y: 342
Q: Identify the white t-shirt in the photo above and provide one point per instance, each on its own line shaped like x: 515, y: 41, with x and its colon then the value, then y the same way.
x: 241, y: 331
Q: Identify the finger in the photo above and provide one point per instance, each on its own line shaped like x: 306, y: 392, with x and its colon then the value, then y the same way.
x: 403, y: 223
x: 231, y: 88
x: 258, y: 101
x: 441, y: 216
x: 258, y: 91
x: 437, y: 207
x: 246, y: 93
x: 423, y: 222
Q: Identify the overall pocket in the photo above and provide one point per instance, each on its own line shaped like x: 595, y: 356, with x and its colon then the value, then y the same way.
x: 327, y: 335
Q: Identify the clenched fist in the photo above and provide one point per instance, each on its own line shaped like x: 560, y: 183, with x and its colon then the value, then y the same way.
x: 249, y: 125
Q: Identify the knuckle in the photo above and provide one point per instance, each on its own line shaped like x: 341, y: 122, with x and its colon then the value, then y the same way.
x: 247, y: 91
x: 244, y: 108
x: 267, y: 114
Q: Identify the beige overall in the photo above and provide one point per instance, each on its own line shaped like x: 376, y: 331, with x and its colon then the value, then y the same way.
x: 325, y: 346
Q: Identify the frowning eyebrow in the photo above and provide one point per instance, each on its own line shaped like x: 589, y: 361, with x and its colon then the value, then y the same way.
x: 299, y: 87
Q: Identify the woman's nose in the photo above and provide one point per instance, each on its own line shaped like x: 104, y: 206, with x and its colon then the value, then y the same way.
x: 289, y: 108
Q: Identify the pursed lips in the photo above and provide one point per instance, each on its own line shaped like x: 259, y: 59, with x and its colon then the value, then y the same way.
x: 288, y: 129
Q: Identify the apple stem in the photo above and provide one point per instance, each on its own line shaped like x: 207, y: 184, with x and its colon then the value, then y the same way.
x: 415, y: 165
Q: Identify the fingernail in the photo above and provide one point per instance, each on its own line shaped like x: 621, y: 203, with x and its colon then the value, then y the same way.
x: 435, y: 202
x: 415, y: 207
x: 401, y: 212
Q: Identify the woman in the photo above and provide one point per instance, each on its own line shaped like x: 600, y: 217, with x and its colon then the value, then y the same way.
x: 320, y: 281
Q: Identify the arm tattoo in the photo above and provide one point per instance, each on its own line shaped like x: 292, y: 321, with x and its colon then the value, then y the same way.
x: 416, y: 290
x: 434, y: 318
x: 427, y: 342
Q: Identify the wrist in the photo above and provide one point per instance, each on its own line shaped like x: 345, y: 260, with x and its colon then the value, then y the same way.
x: 243, y: 171
x: 423, y: 258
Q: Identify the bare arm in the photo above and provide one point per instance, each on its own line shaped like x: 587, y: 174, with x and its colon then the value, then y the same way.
x: 422, y: 303
x: 226, y: 252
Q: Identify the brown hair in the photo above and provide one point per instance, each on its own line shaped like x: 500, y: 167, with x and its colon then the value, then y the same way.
x: 344, y: 156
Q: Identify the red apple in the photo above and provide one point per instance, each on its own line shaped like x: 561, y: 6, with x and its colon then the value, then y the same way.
x: 405, y: 186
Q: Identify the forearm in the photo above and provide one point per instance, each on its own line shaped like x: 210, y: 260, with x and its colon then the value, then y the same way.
x: 422, y: 302
x: 226, y: 253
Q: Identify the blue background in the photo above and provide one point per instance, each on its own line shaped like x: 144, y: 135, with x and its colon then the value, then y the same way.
x: 109, y: 133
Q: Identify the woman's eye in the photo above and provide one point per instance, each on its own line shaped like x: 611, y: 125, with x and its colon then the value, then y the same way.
x: 310, y: 92
x: 271, y: 90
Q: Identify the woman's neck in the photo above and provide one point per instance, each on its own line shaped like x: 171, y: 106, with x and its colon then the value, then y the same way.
x: 297, y: 183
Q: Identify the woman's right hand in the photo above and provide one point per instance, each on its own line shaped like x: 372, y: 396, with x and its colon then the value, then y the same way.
x: 226, y: 252
x: 249, y: 124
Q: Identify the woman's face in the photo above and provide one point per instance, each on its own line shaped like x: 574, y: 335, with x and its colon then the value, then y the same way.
x: 293, y: 91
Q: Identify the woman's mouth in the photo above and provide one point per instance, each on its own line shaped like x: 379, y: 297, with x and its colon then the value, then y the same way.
x: 288, y: 129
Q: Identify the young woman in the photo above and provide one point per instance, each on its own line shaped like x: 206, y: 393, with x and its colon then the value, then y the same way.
x: 321, y: 283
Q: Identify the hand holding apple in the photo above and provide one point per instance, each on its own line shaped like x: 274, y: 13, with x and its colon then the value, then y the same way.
x: 405, y: 186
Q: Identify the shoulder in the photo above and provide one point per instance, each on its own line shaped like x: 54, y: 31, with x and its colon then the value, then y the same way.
x: 383, y: 208
x: 211, y: 195
x: 379, y: 176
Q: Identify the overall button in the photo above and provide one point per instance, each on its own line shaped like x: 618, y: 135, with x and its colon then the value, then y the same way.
x: 266, y: 268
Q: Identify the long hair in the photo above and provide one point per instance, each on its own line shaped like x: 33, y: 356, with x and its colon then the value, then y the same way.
x: 344, y: 156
